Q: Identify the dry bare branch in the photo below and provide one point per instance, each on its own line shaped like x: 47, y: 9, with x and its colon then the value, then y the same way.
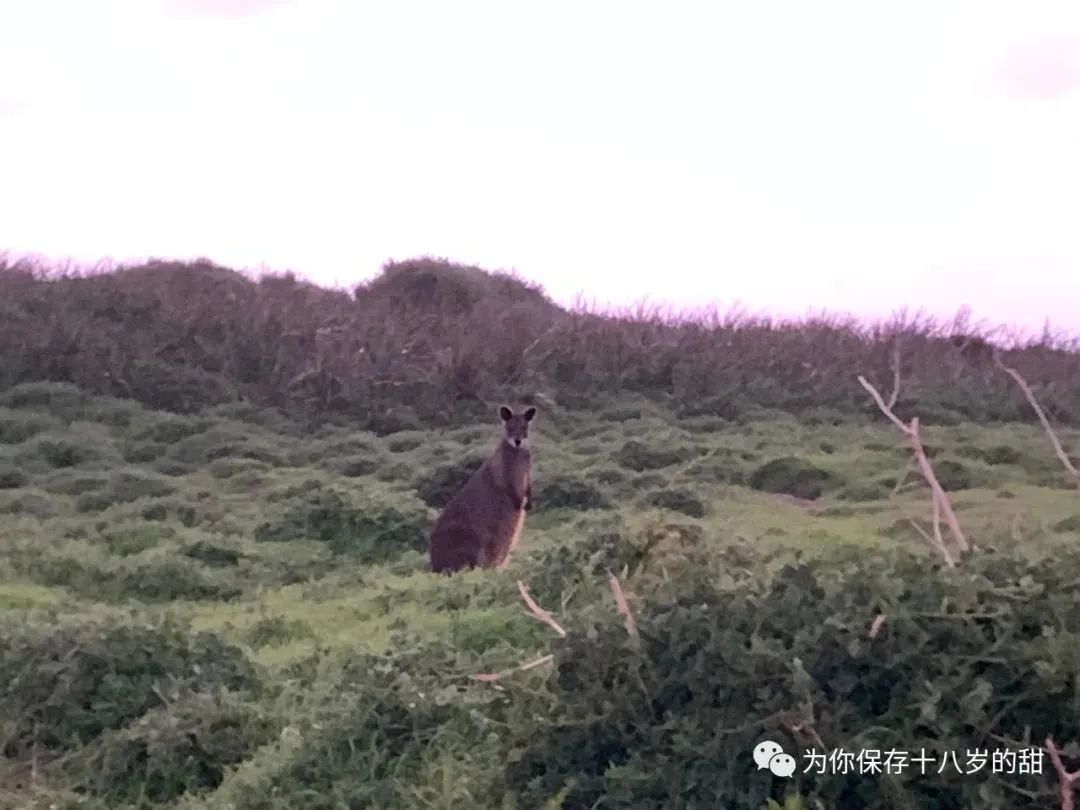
x: 491, y: 677
x: 901, y: 482
x: 1067, y: 778
x: 938, y: 538
x: 538, y: 612
x: 941, y: 500
x: 876, y: 626
x: 1014, y: 528
x: 1054, y: 442
x: 622, y: 605
x: 895, y: 395
x: 937, y: 544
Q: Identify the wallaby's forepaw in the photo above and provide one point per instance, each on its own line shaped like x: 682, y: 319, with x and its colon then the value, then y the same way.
x: 528, y: 505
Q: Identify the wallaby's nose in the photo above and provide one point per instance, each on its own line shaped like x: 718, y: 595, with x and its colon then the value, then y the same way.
x: 517, y: 442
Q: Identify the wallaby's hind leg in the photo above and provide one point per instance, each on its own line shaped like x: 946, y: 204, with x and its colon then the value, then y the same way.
x: 455, y: 548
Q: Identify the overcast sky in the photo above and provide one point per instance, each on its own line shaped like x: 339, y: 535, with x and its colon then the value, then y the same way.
x: 847, y: 156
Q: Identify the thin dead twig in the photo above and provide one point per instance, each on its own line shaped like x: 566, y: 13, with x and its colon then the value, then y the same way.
x: 622, y: 605
x: 491, y: 677
x: 895, y: 395
x: 538, y: 612
x: 1067, y: 778
x: 941, y: 500
x: 876, y: 626
x: 937, y: 544
x: 1030, y: 394
x: 902, y: 481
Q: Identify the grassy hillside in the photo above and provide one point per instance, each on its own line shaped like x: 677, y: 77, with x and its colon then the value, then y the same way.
x: 214, y: 495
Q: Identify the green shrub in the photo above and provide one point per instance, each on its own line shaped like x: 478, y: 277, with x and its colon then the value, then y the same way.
x: 223, y: 442
x: 581, y: 567
x: 636, y: 725
x: 62, y: 685
x: 791, y: 476
x: 397, y: 419
x: 171, y: 508
x: 998, y: 454
x: 211, y: 554
x: 72, y: 482
x: 371, y: 740
x: 404, y: 444
x: 638, y: 456
x: 157, y: 579
x: 60, y: 398
x: 608, y: 475
x: 166, y: 580
x: 568, y: 492
x: 143, y: 452
x: 186, y: 746
x: 59, y: 453
x: 27, y: 502
x: 12, y: 477
x: 951, y: 474
x: 228, y: 467
x: 442, y: 483
x: 1002, y: 454
x: 17, y: 427
x: 273, y: 631
x: 872, y: 490
x: 176, y: 388
x: 375, y: 531
x: 172, y: 468
x: 136, y: 539
x: 358, y: 466
x: 677, y: 500
x: 166, y: 429
x: 125, y: 486
x: 1069, y: 524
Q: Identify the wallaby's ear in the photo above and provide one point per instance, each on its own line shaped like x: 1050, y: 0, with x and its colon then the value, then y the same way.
x: 529, y: 414
x: 505, y: 413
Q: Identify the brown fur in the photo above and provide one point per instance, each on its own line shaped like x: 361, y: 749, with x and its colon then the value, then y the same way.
x: 482, y: 523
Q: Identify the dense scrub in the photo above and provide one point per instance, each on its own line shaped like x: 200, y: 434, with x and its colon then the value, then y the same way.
x: 428, y: 341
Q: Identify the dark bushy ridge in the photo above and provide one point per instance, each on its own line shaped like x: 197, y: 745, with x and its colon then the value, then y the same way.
x: 428, y: 341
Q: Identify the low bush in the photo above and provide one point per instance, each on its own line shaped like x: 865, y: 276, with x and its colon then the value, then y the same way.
x: 638, y: 456
x: 442, y: 483
x: 272, y: 631
x: 677, y: 500
x: 186, y: 746
x: 125, y: 541
x: 228, y: 467
x: 792, y: 476
x: 378, y: 529
x: 12, y: 477
x: 125, y: 486
x: 27, y: 502
x: 723, y: 664
x: 358, y: 466
x: 568, y: 492
x: 62, y: 685
x: 17, y: 427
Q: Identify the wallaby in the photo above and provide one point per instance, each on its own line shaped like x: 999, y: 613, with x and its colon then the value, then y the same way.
x: 482, y: 523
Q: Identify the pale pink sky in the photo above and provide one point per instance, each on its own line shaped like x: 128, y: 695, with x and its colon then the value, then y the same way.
x: 846, y: 156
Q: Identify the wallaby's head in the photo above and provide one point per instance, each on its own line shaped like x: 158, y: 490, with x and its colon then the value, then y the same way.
x: 517, y: 425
